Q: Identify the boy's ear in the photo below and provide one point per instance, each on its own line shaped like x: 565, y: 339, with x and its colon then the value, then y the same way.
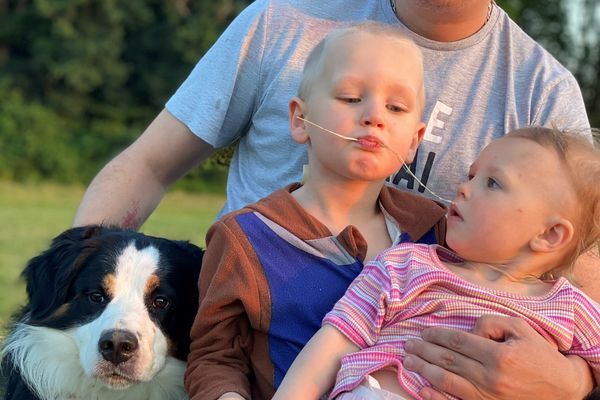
x: 420, y: 132
x: 297, y: 125
x: 556, y: 236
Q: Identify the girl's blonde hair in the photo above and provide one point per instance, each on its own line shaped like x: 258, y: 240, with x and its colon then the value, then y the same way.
x: 581, y: 160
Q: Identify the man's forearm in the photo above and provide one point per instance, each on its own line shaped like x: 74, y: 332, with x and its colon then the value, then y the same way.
x: 119, y: 195
x: 129, y: 188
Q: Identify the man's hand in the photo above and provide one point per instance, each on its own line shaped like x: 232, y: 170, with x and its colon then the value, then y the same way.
x: 517, y: 363
x: 231, y: 396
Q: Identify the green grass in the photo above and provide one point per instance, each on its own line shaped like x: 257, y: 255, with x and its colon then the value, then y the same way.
x: 31, y: 215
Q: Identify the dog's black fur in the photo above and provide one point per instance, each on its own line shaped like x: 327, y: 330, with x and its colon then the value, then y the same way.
x: 594, y: 395
x: 69, y: 287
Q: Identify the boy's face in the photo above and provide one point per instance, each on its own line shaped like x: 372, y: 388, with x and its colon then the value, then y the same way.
x: 368, y: 89
x: 516, y: 190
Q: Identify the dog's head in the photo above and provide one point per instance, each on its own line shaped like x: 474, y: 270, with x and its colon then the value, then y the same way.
x: 126, y: 299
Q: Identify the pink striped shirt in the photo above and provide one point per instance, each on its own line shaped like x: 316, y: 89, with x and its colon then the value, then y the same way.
x: 408, y: 288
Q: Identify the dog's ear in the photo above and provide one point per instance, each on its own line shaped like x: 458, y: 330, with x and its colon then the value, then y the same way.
x: 189, y: 259
x: 49, y: 275
x: 194, y: 252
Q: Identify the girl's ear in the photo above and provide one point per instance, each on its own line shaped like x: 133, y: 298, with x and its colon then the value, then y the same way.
x: 419, y: 133
x: 297, y: 125
x: 556, y: 236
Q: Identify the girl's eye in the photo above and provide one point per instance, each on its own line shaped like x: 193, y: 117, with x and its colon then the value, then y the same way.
x: 470, y: 176
x: 492, y: 183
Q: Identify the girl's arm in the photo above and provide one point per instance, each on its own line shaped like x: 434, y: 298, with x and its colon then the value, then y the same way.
x: 313, y: 372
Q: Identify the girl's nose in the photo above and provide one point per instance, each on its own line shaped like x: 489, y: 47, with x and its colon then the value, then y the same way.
x: 463, y: 190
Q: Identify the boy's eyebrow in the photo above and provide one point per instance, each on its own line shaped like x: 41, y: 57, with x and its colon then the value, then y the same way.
x: 394, y: 86
x: 403, y: 89
x: 347, y: 79
x: 409, y: 93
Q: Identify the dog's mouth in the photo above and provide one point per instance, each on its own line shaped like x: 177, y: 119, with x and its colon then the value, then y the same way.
x: 117, y: 380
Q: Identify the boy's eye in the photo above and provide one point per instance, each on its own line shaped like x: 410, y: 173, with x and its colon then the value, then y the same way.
x: 395, y: 108
x: 350, y: 100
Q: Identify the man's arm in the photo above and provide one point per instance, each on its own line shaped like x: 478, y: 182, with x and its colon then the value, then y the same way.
x: 128, y: 188
x: 231, y: 396
x: 517, y: 363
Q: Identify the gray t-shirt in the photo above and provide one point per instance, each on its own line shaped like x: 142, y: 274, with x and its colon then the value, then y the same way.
x: 477, y: 89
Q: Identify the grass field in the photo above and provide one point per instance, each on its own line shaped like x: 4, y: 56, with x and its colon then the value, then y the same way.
x: 31, y: 215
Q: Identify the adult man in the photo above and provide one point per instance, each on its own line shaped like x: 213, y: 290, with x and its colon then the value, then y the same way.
x: 483, y: 77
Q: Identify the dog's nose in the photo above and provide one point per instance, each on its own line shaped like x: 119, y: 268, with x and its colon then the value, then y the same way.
x: 117, y: 346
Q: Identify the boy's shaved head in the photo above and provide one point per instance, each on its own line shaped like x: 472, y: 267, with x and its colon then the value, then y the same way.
x: 314, y: 65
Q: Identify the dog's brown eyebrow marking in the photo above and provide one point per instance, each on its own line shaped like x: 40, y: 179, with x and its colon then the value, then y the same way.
x: 89, y: 249
x: 151, y: 284
x: 109, y: 285
x: 59, y: 312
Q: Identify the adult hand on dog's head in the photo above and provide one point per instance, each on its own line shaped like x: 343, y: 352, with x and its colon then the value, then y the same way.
x: 502, y: 358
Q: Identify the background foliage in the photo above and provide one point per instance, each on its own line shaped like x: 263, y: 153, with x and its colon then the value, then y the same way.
x: 80, y: 79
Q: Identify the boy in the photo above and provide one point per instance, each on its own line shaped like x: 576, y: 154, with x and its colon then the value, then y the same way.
x: 273, y: 269
x: 529, y: 209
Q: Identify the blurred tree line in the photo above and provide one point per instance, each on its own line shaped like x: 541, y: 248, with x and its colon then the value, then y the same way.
x: 80, y: 79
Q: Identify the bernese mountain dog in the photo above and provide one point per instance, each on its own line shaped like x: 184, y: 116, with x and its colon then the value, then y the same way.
x: 108, y: 317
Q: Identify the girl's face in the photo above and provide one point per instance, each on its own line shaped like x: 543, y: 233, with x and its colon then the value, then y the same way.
x: 368, y: 89
x: 516, y: 190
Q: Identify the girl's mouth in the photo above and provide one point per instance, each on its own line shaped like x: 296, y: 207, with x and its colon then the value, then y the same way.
x: 454, y: 212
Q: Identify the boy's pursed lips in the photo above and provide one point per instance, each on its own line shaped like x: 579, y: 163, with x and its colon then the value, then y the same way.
x: 370, y: 142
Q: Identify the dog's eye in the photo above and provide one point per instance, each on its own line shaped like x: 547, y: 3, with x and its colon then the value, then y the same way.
x: 97, y: 297
x: 160, y: 302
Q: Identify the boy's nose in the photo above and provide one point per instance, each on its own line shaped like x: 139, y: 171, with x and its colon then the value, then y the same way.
x: 373, y: 116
